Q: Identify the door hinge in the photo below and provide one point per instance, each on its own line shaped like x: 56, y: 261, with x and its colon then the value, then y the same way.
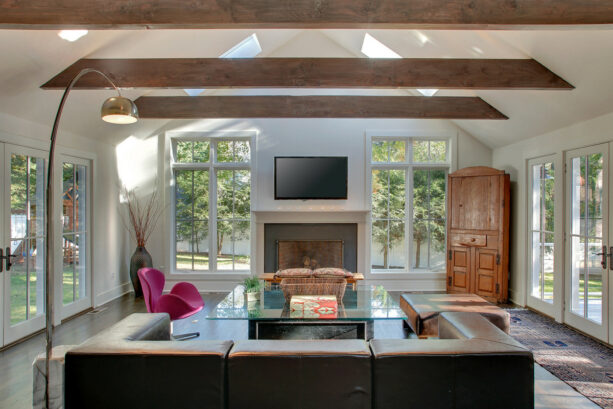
x: 502, y: 202
x: 449, y: 255
x: 449, y: 280
x: 497, y: 259
x: 497, y: 288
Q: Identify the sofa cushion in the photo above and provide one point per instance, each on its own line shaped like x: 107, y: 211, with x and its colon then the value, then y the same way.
x: 300, y: 374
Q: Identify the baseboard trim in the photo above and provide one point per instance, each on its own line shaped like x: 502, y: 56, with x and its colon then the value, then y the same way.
x: 112, y: 294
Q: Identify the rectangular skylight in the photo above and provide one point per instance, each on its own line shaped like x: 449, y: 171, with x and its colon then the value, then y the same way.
x: 71, y: 35
x: 193, y: 92
x: 427, y: 92
x: 373, y: 48
x: 248, y: 48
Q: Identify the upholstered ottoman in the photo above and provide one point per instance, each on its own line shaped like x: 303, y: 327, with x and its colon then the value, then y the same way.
x: 422, y: 310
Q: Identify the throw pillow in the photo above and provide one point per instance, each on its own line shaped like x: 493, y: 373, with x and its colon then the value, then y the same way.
x: 332, y: 272
x: 294, y: 273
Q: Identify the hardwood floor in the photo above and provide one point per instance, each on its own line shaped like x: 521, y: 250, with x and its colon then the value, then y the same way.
x: 16, y: 361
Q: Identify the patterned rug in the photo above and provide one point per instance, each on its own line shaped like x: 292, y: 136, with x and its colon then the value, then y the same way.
x: 581, y: 362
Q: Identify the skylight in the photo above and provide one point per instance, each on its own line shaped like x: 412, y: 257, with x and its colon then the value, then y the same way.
x: 248, y: 48
x: 427, y: 92
x: 193, y: 92
x: 373, y: 48
x: 71, y: 35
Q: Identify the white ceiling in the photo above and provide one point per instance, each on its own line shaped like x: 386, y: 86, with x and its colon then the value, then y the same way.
x: 582, y: 57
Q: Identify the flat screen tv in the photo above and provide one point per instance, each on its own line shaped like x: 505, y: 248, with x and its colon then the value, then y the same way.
x: 310, y: 177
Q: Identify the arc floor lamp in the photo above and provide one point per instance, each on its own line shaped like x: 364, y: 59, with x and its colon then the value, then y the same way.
x: 116, y: 110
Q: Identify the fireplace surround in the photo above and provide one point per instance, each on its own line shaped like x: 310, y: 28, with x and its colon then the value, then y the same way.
x: 313, y: 243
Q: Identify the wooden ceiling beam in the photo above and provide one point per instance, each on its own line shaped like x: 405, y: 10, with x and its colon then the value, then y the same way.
x: 316, y: 107
x: 380, y: 14
x: 313, y: 73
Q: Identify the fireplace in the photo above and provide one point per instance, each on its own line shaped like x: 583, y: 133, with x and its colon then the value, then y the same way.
x: 311, y: 245
x: 309, y: 253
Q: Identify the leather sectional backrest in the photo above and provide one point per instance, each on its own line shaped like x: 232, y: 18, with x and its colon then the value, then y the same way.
x: 300, y: 374
x: 135, y: 365
x: 477, y: 366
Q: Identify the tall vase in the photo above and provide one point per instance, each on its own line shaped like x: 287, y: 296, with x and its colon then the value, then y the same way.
x: 141, y: 258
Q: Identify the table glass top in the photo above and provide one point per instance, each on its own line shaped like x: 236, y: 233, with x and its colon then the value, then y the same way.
x: 367, y: 302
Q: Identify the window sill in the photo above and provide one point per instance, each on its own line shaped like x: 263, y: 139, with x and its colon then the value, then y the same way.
x: 403, y: 274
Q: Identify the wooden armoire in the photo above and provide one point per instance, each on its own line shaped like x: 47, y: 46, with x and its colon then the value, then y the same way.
x: 478, y: 232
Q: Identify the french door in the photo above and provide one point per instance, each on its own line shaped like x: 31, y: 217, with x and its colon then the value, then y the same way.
x: 23, y: 236
x: 545, y: 264
x: 73, y: 285
x: 588, y: 223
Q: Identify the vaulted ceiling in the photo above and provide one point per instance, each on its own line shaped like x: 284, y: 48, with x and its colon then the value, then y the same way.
x: 581, y: 57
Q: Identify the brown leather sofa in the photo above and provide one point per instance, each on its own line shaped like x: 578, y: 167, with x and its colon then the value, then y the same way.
x: 134, y: 364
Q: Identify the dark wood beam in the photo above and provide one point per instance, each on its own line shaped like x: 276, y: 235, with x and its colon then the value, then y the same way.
x: 313, y: 73
x: 442, y: 14
x: 316, y: 107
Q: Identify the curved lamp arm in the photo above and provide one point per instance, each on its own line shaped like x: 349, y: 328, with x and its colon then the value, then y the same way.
x: 49, y: 282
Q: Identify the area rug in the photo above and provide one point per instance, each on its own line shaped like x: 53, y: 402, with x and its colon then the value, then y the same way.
x: 581, y: 362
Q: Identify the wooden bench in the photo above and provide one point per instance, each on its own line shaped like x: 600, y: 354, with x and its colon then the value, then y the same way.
x: 269, y: 278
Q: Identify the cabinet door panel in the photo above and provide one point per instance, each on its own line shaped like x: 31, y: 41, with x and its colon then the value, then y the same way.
x: 475, y: 202
x: 485, y: 272
x: 458, y: 270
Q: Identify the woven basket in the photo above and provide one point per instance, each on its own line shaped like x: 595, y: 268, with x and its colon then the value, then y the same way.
x: 313, y: 286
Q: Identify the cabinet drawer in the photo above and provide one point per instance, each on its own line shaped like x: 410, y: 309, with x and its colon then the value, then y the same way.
x: 471, y: 240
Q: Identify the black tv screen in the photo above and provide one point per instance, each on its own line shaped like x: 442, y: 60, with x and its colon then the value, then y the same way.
x: 310, y: 177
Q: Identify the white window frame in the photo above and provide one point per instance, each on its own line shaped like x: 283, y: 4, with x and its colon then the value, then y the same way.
x: 212, y: 167
x: 408, y: 166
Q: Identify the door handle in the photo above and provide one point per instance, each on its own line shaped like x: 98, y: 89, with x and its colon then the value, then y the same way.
x: 610, y: 258
x: 7, y: 258
x: 604, y: 254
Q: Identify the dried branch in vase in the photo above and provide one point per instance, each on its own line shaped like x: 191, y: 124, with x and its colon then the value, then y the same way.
x: 142, y: 216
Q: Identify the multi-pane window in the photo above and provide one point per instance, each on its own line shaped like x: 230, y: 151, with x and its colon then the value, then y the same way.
x: 541, y: 230
x: 408, y: 211
x: 212, y: 204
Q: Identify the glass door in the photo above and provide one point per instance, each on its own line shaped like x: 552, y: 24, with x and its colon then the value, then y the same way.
x: 544, y: 261
x: 73, y: 256
x: 587, y: 264
x: 23, y: 235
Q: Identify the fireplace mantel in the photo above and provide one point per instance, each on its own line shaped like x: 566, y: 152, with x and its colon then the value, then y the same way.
x: 316, y: 216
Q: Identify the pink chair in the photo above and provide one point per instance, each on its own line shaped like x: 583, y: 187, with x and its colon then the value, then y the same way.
x: 182, y: 301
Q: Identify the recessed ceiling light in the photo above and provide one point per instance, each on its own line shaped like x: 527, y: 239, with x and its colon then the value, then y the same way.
x: 71, y: 35
x: 374, y: 48
x: 426, y: 92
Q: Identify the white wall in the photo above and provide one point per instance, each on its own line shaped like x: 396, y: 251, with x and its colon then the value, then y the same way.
x: 277, y: 137
x: 513, y: 159
x: 110, y: 253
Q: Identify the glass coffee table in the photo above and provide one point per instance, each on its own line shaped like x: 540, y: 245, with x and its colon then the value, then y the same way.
x: 270, y: 316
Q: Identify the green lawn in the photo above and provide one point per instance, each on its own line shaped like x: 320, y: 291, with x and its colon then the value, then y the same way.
x: 595, y: 286
x: 201, y: 261
x: 18, y: 295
